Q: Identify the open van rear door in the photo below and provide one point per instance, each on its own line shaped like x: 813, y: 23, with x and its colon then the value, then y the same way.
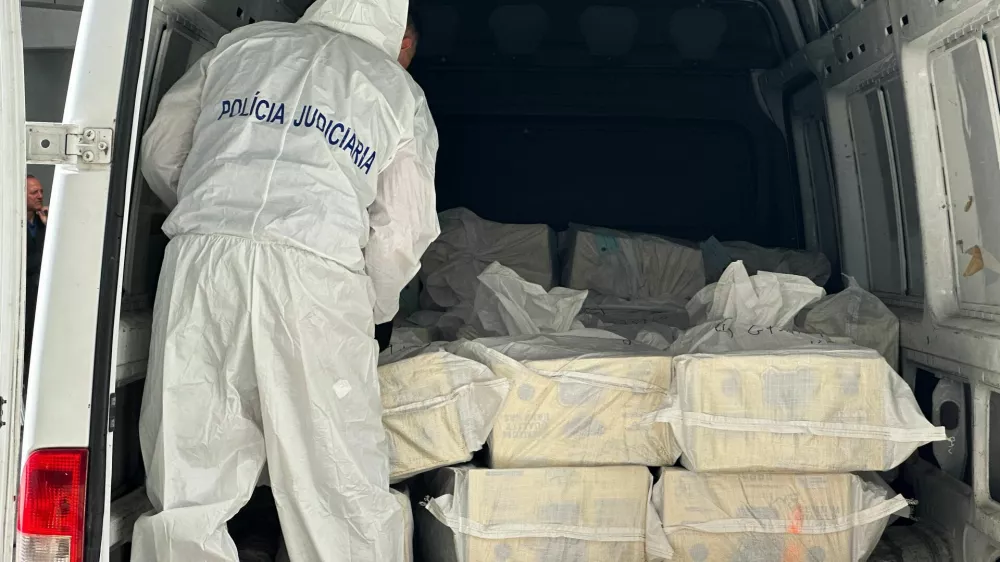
x: 12, y: 232
x: 68, y: 420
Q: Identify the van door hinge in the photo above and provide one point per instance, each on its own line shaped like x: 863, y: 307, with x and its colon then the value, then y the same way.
x: 73, y: 145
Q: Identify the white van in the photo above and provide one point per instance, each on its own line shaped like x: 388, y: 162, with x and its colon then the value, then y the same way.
x: 868, y: 131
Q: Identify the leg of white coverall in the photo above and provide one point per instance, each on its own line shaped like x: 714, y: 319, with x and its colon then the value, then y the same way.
x: 200, y: 425
x: 327, y: 453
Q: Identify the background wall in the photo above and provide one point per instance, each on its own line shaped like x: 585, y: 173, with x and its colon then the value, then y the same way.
x: 46, y: 77
x: 49, y: 36
x: 641, y: 116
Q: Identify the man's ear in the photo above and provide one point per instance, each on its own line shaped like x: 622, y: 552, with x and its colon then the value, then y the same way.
x: 407, y: 43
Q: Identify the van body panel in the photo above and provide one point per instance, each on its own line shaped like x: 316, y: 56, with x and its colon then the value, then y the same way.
x: 856, y: 108
x: 12, y: 258
x: 74, y: 344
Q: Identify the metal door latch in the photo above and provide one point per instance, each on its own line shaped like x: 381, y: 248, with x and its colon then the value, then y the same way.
x: 60, y: 143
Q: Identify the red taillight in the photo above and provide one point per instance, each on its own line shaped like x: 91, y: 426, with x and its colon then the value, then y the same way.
x: 50, y: 506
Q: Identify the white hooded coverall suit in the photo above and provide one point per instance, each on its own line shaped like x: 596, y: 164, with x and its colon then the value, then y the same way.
x: 299, y: 162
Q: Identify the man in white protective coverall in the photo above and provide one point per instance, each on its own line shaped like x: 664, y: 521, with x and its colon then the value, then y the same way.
x: 299, y: 162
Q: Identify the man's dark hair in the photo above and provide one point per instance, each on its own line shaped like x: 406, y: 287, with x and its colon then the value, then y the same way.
x: 30, y: 177
x: 412, y: 29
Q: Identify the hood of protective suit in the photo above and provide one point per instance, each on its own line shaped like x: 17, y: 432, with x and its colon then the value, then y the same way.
x: 379, y: 22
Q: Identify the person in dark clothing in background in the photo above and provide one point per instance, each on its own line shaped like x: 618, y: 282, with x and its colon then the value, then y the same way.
x: 37, y: 217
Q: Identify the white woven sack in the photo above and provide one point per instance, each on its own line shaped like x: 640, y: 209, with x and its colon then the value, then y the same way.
x: 508, y: 305
x: 743, y: 313
x: 766, y: 299
x: 771, y: 517
x: 857, y: 314
x: 817, y: 409
x: 577, y: 401
x: 718, y: 255
x: 438, y: 409
x: 582, y: 514
x: 468, y: 244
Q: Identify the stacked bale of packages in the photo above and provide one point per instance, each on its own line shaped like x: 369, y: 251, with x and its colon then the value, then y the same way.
x: 769, y: 423
x: 567, y: 476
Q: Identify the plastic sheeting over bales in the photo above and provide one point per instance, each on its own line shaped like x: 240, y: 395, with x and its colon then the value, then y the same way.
x: 767, y: 299
x: 741, y: 313
x: 508, y: 305
x: 631, y: 266
x: 718, y: 256
x: 859, y: 315
x: 468, y: 244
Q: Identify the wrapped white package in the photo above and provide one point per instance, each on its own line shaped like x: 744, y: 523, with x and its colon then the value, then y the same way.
x: 577, y: 401
x: 438, y: 409
x: 728, y: 336
x: 742, y: 313
x: 771, y: 517
x: 410, y: 336
x: 652, y: 334
x: 718, y: 255
x: 819, y: 409
x: 654, y: 322
x: 443, y: 325
x: 630, y: 265
x: 766, y: 299
x: 395, y: 354
x: 582, y: 514
x: 609, y: 310
x: 468, y: 244
x: 506, y: 304
x: 859, y: 315
x: 876, y: 479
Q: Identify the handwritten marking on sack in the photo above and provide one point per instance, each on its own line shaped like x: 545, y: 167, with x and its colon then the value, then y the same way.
x: 726, y: 327
x: 335, y: 133
x: 722, y: 327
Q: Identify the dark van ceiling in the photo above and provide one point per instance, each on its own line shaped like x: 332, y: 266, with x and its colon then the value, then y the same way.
x: 716, y: 34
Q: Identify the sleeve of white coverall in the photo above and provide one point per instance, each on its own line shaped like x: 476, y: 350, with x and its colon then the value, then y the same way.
x: 403, y: 217
x: 168, y: 139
